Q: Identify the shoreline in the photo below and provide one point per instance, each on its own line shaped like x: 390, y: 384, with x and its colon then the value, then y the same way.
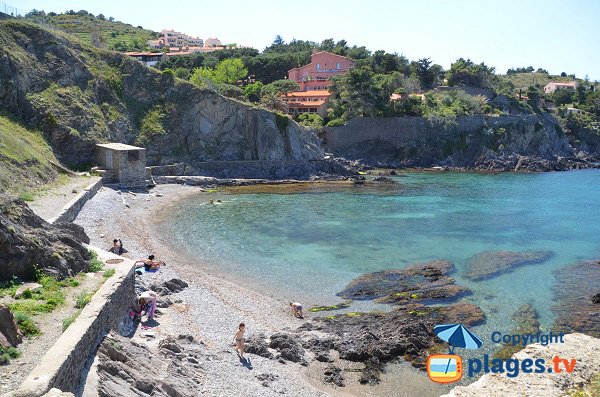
x: 215, y: 304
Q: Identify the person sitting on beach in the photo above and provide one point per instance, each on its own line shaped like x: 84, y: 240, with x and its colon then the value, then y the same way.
x: 117, y: 247
x: 238, y: 339
x: 147, y: 304
x: 149, y: 264
x: 297, y: 309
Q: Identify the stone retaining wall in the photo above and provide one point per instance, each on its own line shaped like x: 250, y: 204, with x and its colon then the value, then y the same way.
x: 63, y: 364
x: 71, y: 210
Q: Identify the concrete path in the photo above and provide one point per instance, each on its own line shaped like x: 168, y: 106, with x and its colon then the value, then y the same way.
x: 49, y: 204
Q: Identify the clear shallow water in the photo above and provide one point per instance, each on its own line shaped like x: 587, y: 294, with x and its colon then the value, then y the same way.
x: 307, y: 246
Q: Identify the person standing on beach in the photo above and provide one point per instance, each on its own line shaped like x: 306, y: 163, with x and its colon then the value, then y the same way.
x: 238, y: 339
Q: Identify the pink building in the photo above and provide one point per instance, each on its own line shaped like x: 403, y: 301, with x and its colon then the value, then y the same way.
x: 323, y: 65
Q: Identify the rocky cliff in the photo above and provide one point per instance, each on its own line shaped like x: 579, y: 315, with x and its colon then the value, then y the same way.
x: 506, y: 142
x: 27, y: 243
x: 78, y: 96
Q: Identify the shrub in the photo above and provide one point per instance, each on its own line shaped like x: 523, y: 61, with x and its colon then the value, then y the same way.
x: 336, y: 123
x: 151, y: 125
x: 96, y: 264
x: 8, y: 353
x: 26, y: 324
x: 26, y: 196
x: 109, y: 273
x: 82, y: 299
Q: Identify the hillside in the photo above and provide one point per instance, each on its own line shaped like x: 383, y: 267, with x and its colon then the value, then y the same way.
x: 24, y: 159
x: 524, y: 80
x: 97, y: 31
x: 77, y: 96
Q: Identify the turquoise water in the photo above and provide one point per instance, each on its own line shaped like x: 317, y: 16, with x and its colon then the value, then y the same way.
x: 307, y: 246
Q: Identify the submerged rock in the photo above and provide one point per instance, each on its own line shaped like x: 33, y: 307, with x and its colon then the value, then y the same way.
x: 575, y: 311
x: 26, y: 241
x: 526, y: 322
x: 419, y: 282
x: 489, y: 264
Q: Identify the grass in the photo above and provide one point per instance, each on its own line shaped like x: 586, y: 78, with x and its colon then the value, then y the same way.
x: 69, y: 320
x: 521, y: 80
x: 7, y: 354
x: 591, y: 390
x: 43, y: 300
x: 96, y: 264
x: 82, y: 299
x: 109, y: 273
x: 8, y: 288
x: 26, y: 324
x: 24, y: 159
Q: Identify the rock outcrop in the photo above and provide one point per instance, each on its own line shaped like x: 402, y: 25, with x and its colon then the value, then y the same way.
x: 525, y: 142
x: 128, y: 368
x: 420, y: 282
x: 28, y: 242
x: 573, y: 302
x: 10, y: 334
x: 489, y: 264
x: 79, y: 95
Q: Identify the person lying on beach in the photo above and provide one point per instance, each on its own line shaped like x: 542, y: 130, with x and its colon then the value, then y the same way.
x: 297, y: 309
x: 238, y: 339
x: 147, y: 304
x: 149, y: 264
x: 117, y: 247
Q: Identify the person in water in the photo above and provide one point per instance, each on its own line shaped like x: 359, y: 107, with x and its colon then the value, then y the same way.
x: 149, y: 264
x: 238, y: 339
x: 297, y: 309
x: 117, y: 247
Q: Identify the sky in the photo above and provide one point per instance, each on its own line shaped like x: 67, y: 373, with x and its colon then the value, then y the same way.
x: 559, y: 36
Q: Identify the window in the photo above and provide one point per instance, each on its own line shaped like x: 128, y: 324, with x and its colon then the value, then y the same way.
x: 318, y: 66
x: 338, y: 65
x: 133, y: 155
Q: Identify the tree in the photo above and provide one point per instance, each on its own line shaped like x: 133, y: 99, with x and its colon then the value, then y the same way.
x: 229, y: 71
x: 281, y: 86
x: 327, y: 45
x: 540, y: 70
x: 562, y: 97
x: 310, y: 120
x: 357, y: 94
x: 203, y: 76
x: 534, y: 96
x: 466, y: 73
x: 101, y: 16
x: 426, y: 73
x: 278, y: 41
x: 563, y: 74
x: 111, y: 19
x: 182, y: 73
x: 272, y: 100
x: 253, y: 91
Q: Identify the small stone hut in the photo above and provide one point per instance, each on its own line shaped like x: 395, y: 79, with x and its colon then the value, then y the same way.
x: 122, y: 164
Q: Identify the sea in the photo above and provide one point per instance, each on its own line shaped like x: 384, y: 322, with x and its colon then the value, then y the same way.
x: 307, y: 242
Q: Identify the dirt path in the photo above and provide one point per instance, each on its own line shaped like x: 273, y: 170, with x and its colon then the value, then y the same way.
x: 34, y: 348
x: 49, y: 203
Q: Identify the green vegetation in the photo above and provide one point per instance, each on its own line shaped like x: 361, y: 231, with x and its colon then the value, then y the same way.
x: 96, y: 264
x: 24, y: 159
x: 97, y: 31
x: 69, y: 320
x: 7, y: 354
x: 343, y: 305
x: 42, y: 300
x: 26, y: 324
x: 591, y: 390
x: 310, y: 120
x: 109, y: 273
x: 82, y: 299
x: 151, y: 125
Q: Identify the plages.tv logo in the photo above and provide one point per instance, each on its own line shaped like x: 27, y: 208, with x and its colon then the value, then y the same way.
x: 448, y: 368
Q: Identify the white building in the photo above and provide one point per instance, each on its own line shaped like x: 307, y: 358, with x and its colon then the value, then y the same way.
x: 213, y: 42
x: 171, y: 38
x: 551, y: 87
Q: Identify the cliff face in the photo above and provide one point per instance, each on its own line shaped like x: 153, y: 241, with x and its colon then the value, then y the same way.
x: 78, y: 96
x: 470, y: 142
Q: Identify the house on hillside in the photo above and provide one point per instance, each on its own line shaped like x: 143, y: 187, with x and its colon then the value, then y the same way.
x: 314, y: 101
x: 553, y: 86
x: 149, y: 58
x: 322, y: 67
x: 314, y: 81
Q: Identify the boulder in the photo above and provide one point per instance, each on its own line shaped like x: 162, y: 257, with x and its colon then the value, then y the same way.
x: 257, y: 344
x: 10, y: 334
x: 27, y: 241
x: 489, y: 264
x: 419, y: 282
x: 334, y: 375
x: 289, y: 347
x: 383, y: 179
x: 596, y: 298
x: 169, y: 287
x: 26, y: 287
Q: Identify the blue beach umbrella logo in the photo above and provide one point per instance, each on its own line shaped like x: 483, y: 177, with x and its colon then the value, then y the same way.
x: 457, y: 335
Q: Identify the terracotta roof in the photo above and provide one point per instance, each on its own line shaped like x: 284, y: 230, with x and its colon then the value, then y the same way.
x: 311, y: 93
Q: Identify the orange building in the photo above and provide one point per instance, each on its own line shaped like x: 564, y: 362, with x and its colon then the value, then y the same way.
x: 314, y: 101
x: 323, y: 66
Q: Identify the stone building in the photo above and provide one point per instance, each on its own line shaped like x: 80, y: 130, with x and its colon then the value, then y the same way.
x: 122, y: 164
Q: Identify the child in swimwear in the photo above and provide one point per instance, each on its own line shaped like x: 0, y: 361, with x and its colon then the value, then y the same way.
x: 238, y: 339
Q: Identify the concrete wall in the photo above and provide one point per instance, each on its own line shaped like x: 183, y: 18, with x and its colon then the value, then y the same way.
x: 252, y: 169
x: 62, y: 365
x: 130, y: 173
x: 71, y: 210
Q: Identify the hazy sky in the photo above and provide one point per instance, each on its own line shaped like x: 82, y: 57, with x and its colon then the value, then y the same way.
x: 556, y: 35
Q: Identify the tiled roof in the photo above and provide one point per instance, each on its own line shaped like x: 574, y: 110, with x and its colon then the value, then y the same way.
x: 311, y: 93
